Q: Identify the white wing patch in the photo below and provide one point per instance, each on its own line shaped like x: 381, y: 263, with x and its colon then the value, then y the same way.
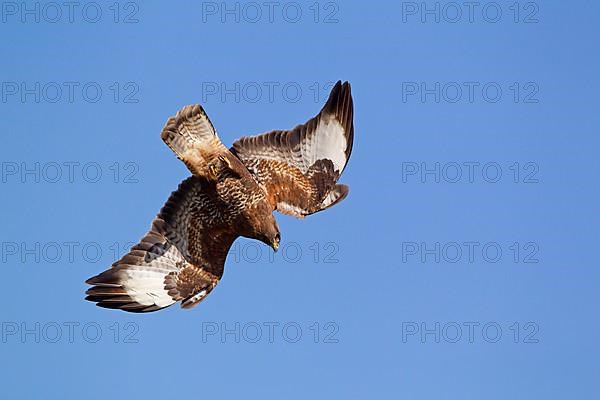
x: 327, y: 142
x: 145, y: 285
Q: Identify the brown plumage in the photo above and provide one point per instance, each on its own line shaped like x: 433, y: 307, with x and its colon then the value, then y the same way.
x: 231, y: 193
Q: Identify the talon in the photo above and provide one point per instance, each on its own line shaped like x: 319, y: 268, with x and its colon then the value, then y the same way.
x: 225, y: 160
x: 213, y: 171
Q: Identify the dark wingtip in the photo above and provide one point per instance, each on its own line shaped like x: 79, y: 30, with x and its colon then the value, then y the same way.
x: 91, y: 281
x: 340, y: 104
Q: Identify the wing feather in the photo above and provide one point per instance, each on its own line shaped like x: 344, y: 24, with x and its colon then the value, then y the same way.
x: 299, y: 168
x: 181, y: 258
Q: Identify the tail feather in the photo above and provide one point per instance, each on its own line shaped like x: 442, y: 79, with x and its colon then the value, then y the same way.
x: 192, y: 137
x: 189, y: 126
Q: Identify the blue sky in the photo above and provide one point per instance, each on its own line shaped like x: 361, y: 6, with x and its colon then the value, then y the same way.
x: 461, y: 265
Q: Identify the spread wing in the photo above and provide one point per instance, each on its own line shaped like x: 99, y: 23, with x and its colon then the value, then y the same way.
x: 299, y: 168
x: 181, y: 258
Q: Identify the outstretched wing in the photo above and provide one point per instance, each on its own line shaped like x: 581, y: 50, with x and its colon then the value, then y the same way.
x: 192, y: 137
x: 181, y: 258
x: 299, y: 168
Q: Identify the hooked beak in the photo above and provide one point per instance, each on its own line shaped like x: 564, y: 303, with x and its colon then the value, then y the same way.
x: 275, y: 245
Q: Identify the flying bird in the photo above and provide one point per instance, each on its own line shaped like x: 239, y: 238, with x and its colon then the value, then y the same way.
x: 231, y: 193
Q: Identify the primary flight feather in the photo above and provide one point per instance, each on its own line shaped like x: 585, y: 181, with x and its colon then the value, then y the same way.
x: 232, y: 193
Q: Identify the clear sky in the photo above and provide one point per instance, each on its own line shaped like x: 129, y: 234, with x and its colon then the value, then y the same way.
x: 461, y: 266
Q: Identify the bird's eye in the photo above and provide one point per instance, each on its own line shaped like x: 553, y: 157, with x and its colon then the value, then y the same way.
x: 278, y: 237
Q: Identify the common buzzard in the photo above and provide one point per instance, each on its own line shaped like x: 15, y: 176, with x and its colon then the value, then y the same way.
x: 231, y: 193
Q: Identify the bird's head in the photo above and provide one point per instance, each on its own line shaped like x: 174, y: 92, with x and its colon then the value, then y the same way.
x: 269, y: 232
x: 262, y: 226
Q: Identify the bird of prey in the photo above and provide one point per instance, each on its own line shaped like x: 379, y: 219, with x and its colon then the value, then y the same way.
x: 231, y: 193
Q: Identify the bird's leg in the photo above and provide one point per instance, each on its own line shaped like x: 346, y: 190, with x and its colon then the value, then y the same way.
x: 216, y: 165
x: 212, y: 172
x: 225, y: 161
